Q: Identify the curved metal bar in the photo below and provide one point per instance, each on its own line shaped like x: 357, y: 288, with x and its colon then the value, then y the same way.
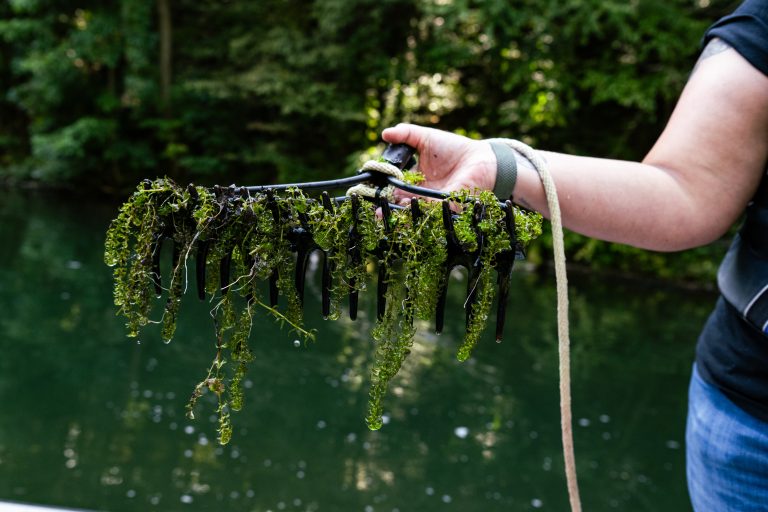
x: 315, y: 185
x: 361, y: 177
x: 415, y: 189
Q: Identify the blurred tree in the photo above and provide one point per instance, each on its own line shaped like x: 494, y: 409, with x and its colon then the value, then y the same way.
x: 99, y: 95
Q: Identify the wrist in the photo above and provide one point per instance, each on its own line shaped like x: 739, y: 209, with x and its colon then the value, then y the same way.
x: 506, y: 169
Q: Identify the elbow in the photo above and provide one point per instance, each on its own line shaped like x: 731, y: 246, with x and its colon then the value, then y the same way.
x: 681, y: 236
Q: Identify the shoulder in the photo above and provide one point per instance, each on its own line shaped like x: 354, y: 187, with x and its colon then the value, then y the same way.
x: 745, y: 30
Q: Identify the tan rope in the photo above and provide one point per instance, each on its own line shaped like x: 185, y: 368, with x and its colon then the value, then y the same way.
x: 364, y: 189
x: 566, y: 421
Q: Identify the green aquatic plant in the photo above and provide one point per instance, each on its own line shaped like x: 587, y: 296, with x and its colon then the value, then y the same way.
x: 234, y: 240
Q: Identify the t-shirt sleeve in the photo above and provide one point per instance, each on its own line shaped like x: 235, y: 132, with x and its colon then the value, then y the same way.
x: 746, y: 30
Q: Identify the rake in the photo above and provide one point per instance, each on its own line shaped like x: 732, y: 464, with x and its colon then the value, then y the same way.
x: 267, y: 233
x: 303, y: 244
x: 242, y: 236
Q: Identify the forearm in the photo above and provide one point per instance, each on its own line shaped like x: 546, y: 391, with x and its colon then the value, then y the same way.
x: 689, y: 189
x: 692, y: 185
x: 619, y: 201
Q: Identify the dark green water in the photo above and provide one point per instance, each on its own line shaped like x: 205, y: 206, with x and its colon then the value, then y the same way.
x: 91, y: 419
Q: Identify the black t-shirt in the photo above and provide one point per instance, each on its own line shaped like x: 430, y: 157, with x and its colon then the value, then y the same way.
x: 746, y: 30
x: 731, y: 354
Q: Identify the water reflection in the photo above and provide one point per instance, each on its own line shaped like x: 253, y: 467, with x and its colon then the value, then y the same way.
x: 92, y: 419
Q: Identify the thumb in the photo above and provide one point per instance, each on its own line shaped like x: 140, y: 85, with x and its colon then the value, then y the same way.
x: 414, y: 135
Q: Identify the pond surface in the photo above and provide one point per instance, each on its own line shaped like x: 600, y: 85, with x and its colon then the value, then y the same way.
x: 94, y: 420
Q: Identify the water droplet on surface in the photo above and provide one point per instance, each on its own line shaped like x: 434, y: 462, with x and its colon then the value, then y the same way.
x: 296, y: 343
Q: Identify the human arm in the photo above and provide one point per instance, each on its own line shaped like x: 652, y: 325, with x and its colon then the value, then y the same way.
x: 689, y: 189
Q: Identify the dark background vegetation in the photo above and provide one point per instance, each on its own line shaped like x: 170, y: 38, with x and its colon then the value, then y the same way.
x: 95, y: 95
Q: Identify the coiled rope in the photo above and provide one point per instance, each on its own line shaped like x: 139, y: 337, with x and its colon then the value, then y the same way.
x: 561, y: 279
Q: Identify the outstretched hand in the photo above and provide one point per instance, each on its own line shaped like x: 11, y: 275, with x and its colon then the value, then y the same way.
x: 448, y: 161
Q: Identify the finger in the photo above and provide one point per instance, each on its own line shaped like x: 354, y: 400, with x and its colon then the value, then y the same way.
x: 402, y: 197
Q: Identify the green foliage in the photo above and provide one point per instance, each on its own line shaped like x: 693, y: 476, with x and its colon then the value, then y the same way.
x: 246, y: 238
x: 287, y: 91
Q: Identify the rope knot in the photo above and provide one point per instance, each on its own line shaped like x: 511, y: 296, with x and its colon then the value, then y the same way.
x: 369, y: 190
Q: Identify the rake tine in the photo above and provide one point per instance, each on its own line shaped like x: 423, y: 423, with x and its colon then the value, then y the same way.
x: 471, y: 293
x: 381, y: 289
x: 415, y: 217
x: 327, y: 203
x: 448, y: 224
x: 353, y: 247
x: 272, y: 205
x: 453, y: 244
x: 505, y: 262
x: 326, y: 286
x: 386, y: 212
x: 509, y: 219
x: 327, y: 265
x: 415, y: 210
x: 202, y: 256
x: 477, y: 267
x: 193, y: 192
x: 303, y: 246
x: 302, y: 257
x: 156, y: 276
x: 273, y: 290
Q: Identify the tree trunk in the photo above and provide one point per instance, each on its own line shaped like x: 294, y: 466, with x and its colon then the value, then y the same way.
x: 166, y: 41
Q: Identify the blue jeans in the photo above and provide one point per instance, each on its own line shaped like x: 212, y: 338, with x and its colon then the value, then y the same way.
x: 726, y: 453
